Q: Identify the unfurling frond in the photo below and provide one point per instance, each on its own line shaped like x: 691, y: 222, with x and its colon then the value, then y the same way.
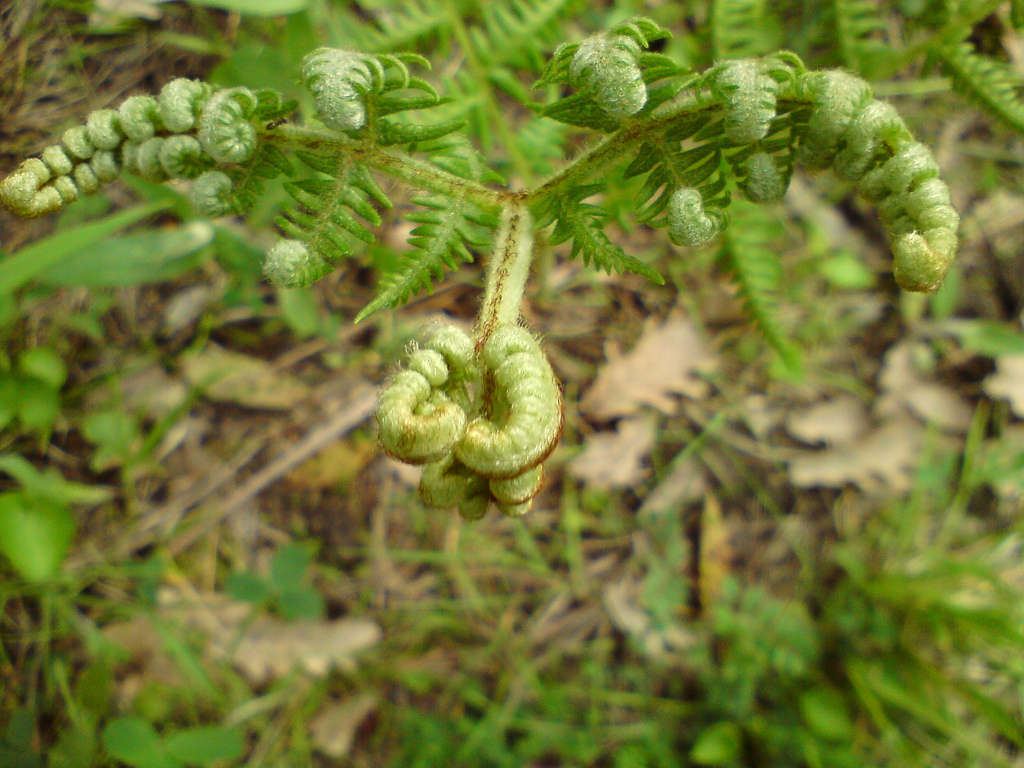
x: 610, y: 71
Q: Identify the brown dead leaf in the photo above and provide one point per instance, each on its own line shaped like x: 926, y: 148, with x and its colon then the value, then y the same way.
x: 684, y: 484
x: 614, y: 459
x: 883, y: 458
x: 263, y: 648
x: 271, y: 648
x: 1008, y: 382
x: 838, y: 421
x: 232, y: 377
x: 908, y: 389
x: 334, y: 729
x: 665, y: 362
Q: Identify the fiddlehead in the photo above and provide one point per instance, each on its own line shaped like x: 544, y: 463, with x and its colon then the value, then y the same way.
x: 481, y: 422
x: 185, y: 131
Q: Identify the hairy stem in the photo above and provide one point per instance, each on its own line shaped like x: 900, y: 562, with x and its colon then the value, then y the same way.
x: 506, y: 272
x: 400, y: 165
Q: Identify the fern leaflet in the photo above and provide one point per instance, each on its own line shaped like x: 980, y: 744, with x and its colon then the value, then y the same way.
x: 986, y: 81
x: 757, y: 272
x: 583, y: 224
x: 741, y: 28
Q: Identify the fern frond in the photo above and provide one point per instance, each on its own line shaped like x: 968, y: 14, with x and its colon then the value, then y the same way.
x: 757, y: 272
x: 611, y: 73
x: 331, y: 209
x: 520, y: 32
x: 740, y: 29
x: 405, y: 24
x: 857, y: 24
x: 583, y: 224
x: 447, y: 231
x: 985, y: 81
x: 247, y: 181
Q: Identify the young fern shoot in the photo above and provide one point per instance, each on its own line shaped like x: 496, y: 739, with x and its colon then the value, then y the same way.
x: 482, y: 413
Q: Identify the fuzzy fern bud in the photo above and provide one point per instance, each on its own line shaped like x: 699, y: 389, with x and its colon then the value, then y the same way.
x: 749, y: 93
x: 765, y: 182
x: 225, y: 125
x: 606, y: 69
x: 289, y: 264
x: 531, y: 418
x: 339, y: 81
x: 211, y: 194
x: 689, y: 223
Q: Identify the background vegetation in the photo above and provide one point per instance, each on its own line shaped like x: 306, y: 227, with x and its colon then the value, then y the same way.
x: 783, y: 525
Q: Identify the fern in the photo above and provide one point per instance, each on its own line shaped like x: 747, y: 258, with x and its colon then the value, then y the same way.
x: 330, y: 207
x: 583, y: 224
x: 403, y: 26
x: 517, y: 32
x: 757, y: 272
x: 985, y: 81
x: 447, y: 229
x: 857, y: 24
x: 741, y: 28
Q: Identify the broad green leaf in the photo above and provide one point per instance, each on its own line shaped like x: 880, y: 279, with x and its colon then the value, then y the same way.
x: 114, y: 433
x: 844, y: 270
x: 141, y: 257
x: 825, y: 713
x: 16, y: 750
x: 300, y: 310
x: 288, y: 567
x: 256, y: 7
x: 35, y: 534
x: 132, y: 740
x: 718, y: 745
x: 987, y: 337
x: 44, y: 364
x: 204, y: 745
x: 301, y: 604
x: 50, y: 484
x: 247, y: 587
x: 28, y: 263
x: 38, y: 406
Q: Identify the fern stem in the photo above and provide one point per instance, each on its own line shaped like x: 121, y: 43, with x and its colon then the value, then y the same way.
x: 507, y: 272
x: 400, y: 165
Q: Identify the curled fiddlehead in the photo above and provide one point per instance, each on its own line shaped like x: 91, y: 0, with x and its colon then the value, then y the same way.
x: 689, y: 223
x: 225, y: 125
x: 605, y: 68
x: 184, y: 131
x: 481, y: 422
x: 868, y: 143
x: 526, y: 417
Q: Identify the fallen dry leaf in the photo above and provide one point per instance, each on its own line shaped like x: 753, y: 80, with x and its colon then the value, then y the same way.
x: 835, y: 422
x: 232, y: 377
x: 263, y: 648
x: 1008, y: 382
x: 884, y: 458
x: 905, y: 388
x: 614, y: 459
x: 271, y: 648
x: 665, y: 362
x: 334, y: 729
x: 684, y: 484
